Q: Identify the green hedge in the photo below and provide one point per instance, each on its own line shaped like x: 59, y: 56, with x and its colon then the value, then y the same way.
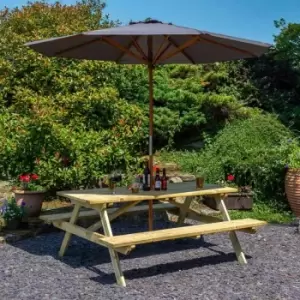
x: 255, y: 150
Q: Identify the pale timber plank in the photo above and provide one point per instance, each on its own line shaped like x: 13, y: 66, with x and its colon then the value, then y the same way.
x: 118, y: 212
x: 67, y: 237
x: 94, y: 237
x: 113, y: 254
x: 111, y: 211
x: 67, y: 215
x: 181, y: 232
x: 184, y: 210
x: 202, y: 192
x: 232, y: 235
x: 102, y: 196
x: 194, y: 215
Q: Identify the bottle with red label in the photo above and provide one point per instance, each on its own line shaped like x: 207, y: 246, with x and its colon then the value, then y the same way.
x: 157, y: 181
x: 164, y: 181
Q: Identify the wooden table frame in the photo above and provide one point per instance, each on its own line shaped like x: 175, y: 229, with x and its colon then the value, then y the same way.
x: 111, y: 242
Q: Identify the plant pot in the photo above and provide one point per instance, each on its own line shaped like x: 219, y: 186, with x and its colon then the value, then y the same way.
x: 13, y: 224
x: 292, y: 190
x: 33, y: 201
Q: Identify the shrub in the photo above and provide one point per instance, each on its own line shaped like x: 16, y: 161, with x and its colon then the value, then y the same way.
x: 70, y: 141
x: 255, y: 150
x: 10, y: 210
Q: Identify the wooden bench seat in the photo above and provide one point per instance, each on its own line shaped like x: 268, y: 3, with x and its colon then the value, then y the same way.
x: 92, y: 213
x: 182, y: 232
x: 99, y: 204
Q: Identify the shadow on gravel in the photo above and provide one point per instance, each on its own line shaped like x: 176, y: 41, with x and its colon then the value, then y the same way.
x: 84, y: 254
x: 166, y: 268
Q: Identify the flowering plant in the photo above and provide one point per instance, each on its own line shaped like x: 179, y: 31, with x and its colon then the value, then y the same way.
x: 231, y: 181
x: 230, y: 178
x: 28, y: 182
x: 10, y: 210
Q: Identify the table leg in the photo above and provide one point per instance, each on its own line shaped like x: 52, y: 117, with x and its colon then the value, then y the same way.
x: 184, y: 210
x: 120, y: 211
x: 232, y: 235
x: 113, y: 254
x: 67, y: 237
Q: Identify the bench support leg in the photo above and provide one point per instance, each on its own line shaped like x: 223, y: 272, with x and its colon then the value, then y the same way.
x: 67, y: 237
x: 232, y: 235
x: 114, y: 215
x: 113, y: 254
x: 184, y: 210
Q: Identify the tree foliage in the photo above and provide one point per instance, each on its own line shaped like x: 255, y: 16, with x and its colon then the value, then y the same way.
x: 73, y: 120
x: 62, y: 118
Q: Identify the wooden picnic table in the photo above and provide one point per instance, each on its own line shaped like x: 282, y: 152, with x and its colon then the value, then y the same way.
x: 98, y: 201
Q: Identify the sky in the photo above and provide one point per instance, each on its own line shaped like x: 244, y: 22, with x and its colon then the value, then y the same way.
x: 252, y: 19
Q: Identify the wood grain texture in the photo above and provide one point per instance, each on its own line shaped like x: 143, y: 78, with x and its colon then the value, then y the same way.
x: 111, y: 211
x: 113, y: 254
x: 67, y: 237
x: 102, y: 196
x: 232, y: 234
x: 181, y: 232
x: 211, y: 219
x: 94, y: 237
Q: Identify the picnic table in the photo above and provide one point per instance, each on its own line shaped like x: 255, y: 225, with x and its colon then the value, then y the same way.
x: 98, y: 201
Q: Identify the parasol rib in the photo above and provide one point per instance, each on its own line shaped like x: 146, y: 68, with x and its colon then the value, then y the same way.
x: 179, y: 49
x: 115, y: 44
x: 227, y: 46
x: 166, y: 38
x: 138, y: 47
x: 159, y: 55
x: 58, y: 53
x: 182, y: 51
x: 123, y: 53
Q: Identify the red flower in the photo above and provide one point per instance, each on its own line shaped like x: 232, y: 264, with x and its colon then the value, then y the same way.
x: 34, y: 177
x: 24, y: 178
x: 230, y: 177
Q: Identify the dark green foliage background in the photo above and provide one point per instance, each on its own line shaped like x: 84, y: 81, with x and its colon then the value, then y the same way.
x: 73, y: 121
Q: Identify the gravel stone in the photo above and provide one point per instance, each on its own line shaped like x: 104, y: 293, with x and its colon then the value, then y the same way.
x: 181, y: 269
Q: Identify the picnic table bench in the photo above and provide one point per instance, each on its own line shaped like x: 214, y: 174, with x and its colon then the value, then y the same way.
x: 98, y: 200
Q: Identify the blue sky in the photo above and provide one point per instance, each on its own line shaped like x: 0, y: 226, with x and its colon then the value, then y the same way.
x: 251, y: 19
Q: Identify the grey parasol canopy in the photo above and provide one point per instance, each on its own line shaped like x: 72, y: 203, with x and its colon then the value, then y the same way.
x: 170, y: 45
x: 150, y: 43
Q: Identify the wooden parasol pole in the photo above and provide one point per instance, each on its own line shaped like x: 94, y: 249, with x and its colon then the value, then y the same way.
x: 150, y: 73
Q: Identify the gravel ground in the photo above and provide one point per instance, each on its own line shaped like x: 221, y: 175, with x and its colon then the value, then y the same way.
x: 182, y: 269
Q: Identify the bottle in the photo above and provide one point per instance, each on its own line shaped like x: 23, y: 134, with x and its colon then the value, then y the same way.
x: 157, y: 181
x: 146, y: 178
x: 164, y: 181
x: 141, y: 177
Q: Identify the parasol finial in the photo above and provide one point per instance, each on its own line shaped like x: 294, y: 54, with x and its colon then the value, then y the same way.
x: 148, y: 21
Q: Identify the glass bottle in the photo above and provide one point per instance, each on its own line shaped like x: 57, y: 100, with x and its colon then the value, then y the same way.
x: 157, y: 181
x: 164, y: 181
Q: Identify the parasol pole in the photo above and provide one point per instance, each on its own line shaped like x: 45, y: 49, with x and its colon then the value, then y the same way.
x: 150, y: 74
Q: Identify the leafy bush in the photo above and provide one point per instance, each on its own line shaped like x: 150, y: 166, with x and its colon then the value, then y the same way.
x: 255, y: 150
x: 69, y: 141
x: 10, y: 210
x: 70, y: 121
